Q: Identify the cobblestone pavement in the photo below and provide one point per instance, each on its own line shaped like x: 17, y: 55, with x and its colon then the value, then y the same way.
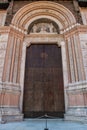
x: 40, y: 124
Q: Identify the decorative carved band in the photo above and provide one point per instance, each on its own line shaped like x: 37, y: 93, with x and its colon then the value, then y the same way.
x: 7, y: 87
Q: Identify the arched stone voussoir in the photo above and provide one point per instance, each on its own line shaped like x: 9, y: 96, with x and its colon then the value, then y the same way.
x: 54, y: 11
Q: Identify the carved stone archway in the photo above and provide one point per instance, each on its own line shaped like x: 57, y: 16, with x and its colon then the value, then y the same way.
x: 19, y: 39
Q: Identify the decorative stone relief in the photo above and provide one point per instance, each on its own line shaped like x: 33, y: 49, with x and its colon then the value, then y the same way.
x: 3, y: 37
x: 43, y: 28
x: 83, y: 39
x: 2, y: 18
x: 3, y: 44
x: 84, y: 15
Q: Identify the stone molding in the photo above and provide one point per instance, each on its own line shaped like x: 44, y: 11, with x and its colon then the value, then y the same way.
x: 80, y: 86
x: 9, y: 111
x: 56, y: 11
x: 9, y: 114
x: 16, y: 32
x: 43, y: 38
x: 10, y: 88
x: 76, y: 114
x: 77, y: 111
x: 4, y: 29
x: 70, y: 28
x: 18, y: 29
x: 75, y: 29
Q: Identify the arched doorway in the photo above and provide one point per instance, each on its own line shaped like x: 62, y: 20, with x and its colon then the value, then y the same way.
x: 20, y: 39
x: 60, y: 16
x: 43, y: 88
x: 43, y: 85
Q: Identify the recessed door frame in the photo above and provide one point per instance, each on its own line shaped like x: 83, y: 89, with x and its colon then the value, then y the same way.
x: 43, y: 39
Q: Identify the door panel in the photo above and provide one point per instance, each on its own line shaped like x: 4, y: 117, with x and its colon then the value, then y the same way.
x: 43, y: 88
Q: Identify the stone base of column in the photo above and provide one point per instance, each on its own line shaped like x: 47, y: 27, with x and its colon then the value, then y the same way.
x: 76, y: 114
x: 10, y: 118
x: 10, y: 115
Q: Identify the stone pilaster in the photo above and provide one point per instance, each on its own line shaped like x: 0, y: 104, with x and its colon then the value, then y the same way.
x: 74, y: 56
x: 13, y: 57
x: 10, y: 86
x: 76, y: 91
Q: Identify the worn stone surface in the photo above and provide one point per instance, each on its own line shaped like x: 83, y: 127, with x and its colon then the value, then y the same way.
x: 83, y: 12
x: 83, y: 40
x: 3, y: 45
x: 2, y: 17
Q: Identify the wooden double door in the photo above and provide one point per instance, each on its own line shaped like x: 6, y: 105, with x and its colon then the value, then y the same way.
x: 43, y: 87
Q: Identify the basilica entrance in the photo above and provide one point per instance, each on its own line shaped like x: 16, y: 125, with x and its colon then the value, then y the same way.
x: 43, y: 87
